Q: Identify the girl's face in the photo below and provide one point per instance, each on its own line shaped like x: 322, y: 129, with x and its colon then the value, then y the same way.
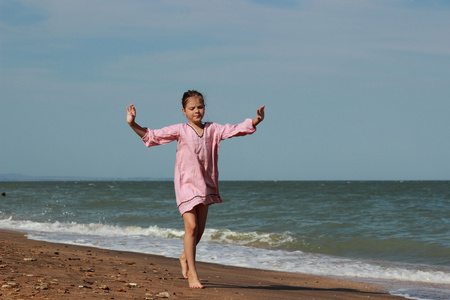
x: 194, y: 110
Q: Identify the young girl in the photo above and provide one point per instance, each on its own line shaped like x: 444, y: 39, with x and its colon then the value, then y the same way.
x: 196, y: 176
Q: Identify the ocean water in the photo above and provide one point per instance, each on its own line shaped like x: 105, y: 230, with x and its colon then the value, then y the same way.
x: 395, y: 234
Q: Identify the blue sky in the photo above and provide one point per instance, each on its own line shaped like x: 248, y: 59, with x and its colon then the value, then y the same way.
x: 354, y: 90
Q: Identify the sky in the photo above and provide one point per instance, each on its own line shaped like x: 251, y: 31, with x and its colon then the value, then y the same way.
x: 354, y: 89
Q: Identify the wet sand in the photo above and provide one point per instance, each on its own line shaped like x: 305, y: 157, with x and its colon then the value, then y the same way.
x: 39, y: 270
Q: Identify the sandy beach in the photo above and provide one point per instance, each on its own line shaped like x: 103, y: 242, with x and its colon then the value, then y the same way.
x: 39, y: 270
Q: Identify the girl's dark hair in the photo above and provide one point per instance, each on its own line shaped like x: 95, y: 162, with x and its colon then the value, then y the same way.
x: 191, y: 93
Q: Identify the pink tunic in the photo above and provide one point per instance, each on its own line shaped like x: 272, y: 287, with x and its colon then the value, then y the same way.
x: 196, y: 175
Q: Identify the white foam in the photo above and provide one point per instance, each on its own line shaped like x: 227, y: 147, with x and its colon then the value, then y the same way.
x: 212, y: 235
x: 92, y: 229
x: 254, y: 239
x: 423, y: 293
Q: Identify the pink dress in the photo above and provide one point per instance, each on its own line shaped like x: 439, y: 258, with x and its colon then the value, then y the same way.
x: 196, y: 175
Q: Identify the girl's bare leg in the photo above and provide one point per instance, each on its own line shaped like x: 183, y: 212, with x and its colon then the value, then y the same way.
x: 194, y: 225
x: 184, y: 265
x: 201, y: 222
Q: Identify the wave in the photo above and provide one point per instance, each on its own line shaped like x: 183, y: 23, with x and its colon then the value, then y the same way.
x: 254, y: 239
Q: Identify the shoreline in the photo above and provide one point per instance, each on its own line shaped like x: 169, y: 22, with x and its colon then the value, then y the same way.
x: 45, y: 270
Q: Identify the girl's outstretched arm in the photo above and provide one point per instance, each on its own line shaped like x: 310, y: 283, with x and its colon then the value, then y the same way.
x: 260, y: 116
x: 131, y: 115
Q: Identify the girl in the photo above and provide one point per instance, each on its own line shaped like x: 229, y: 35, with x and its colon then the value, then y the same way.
x: 196, y: 176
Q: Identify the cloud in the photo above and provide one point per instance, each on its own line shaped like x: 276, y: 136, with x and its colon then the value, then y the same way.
x: 312, y: 44
x: 294, y: 44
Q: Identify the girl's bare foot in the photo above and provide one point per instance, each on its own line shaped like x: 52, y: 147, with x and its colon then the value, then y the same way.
x: 184, y: 265
x: 194, y: 283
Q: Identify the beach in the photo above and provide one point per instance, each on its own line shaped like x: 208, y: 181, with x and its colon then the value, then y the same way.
x: 33, y: 269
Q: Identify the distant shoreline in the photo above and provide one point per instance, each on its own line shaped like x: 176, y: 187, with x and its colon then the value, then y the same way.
x: 20, y: 177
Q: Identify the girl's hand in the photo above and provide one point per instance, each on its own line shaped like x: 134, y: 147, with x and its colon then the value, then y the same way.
x: 260, y: 116
x: 131, y: 114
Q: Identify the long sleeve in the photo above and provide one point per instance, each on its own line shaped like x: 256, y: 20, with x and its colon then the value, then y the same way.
x: 161, y: 136
x: 241, y: 129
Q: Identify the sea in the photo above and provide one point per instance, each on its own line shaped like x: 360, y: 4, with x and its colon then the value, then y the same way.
x: 395, y: 234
